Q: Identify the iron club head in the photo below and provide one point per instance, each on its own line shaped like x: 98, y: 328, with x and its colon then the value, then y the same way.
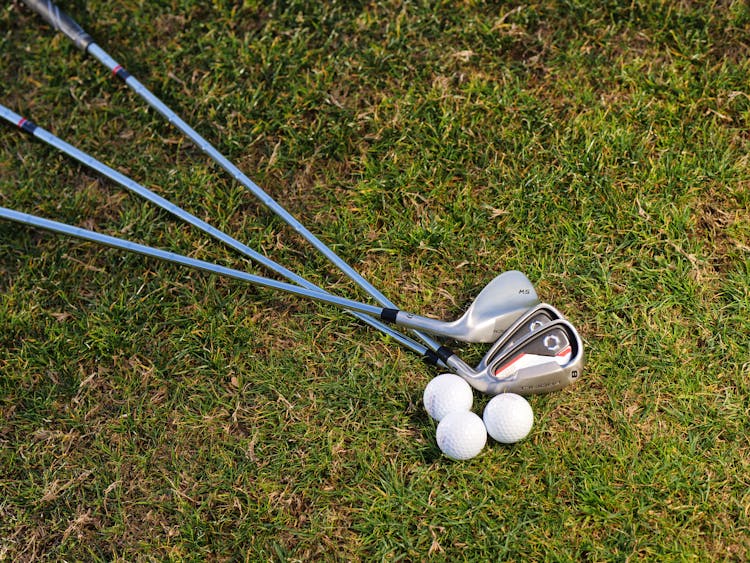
x: 501, y: 302
x: 545, y: 360
x: 496, y: 307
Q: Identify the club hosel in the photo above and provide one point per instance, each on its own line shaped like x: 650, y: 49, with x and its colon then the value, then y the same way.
x: 461, y: 368
x: 479, y: 380
x: 426, y: 324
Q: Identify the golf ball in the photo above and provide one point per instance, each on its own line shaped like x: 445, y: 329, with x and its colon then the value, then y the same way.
x: 447, y: 393
x: 461, y: 435
x: 508, y: 418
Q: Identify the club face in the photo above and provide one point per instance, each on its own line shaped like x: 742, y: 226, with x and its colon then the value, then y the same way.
x: 497, y: 306
x: 546, y: 360
x: 532, y: 320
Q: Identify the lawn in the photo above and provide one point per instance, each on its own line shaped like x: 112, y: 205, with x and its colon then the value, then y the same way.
x: 150, y: 412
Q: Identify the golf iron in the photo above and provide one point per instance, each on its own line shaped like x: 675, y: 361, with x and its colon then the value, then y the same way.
x: 540, y: 377
x: 82, y: 157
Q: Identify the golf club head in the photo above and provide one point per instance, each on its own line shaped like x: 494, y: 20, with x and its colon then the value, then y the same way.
x: 531, y: 320
x: 545, y: 360
x: 497, y: 306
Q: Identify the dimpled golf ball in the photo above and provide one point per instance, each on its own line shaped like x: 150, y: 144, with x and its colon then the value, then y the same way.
x: 461, y: 435
x: 447, y: 393
x: 508, y: 418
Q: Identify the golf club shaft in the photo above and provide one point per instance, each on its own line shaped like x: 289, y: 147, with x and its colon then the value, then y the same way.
x: 61, y: 21
x: 165, y: 204
x: 165, y: 255
x: 443, y: 354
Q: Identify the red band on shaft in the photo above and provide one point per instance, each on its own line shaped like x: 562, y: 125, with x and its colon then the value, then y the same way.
x: 117, y: 69
x: 20, y: 123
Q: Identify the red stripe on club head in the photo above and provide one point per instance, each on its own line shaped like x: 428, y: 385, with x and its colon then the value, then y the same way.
x: 506, y: 366
x: 565, y: 351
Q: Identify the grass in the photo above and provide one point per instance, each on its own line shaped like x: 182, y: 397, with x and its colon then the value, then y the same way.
x: 153, y: 413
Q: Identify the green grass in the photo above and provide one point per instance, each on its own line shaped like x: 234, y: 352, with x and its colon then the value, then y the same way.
x: 154, y: 413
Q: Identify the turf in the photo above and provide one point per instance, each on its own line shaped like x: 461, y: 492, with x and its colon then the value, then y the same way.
x: 154, y: 413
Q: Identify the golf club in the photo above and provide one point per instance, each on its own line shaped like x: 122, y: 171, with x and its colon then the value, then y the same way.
x: 474, y: 326
x: 429, y: 357
x: 505, y: 295
x: 528, y: 379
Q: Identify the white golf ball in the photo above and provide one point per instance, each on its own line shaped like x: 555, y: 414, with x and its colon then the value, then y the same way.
x: 508, y: 418
x: 447, y: 393
x: 461, y: 435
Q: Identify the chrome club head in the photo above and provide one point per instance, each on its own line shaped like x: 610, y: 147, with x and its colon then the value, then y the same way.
x: 546, y: 359
x: 501, y: 302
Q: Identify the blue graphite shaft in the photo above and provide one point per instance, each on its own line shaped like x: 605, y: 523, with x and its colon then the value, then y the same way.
x: 86, y: 159
x: 61, y: 21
